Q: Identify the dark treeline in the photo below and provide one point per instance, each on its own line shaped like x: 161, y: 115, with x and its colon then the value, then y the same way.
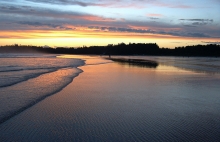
x: 122, y: 49
x: 20, y: 49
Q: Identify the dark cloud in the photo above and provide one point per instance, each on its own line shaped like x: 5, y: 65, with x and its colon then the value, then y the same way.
x: 118, y: 29
x: 15, y: 9
x: 200, y: 20
x: 132, y: 30
x: 12, y: 8
x: 67, y: 2
x: 51, y: 13
x: 196, y: 22
x: 114, y: 3
x: 38, y: 24
x: 211, y: 42
x: 85, y: 3
x: 3, y: 7
x: 154, y: 18
x: 17, y: 17
x: 197, y: 35
x: 199, y: 23
x: 191, y: 26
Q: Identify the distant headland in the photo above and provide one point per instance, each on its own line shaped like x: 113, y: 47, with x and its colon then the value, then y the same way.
x: 210, y: 50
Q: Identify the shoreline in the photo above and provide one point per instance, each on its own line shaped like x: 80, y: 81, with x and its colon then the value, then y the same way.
x: 38, y: 86
x: 12, y: 113
x: 116, y: 102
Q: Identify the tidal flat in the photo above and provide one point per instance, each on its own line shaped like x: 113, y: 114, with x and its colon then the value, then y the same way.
x: 109, y: 101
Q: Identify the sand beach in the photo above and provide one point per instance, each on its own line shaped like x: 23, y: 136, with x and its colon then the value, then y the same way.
x: 121, y: 102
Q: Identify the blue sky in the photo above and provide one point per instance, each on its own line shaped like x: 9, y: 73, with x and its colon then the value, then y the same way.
x: 189, y: 21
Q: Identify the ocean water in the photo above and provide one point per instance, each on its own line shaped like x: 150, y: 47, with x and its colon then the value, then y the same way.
x: 25, y: 79
x: 194, y: 64
x: 178, y: 100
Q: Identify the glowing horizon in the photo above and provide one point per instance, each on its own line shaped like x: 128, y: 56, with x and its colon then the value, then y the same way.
x: 74, y: 23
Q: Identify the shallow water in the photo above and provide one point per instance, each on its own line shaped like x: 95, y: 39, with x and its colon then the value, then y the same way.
x: 115, y: 102
x: 25, y: 79
x: 195, y: 64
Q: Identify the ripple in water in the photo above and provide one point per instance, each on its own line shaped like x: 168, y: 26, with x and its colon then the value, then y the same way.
x: 24, y: 81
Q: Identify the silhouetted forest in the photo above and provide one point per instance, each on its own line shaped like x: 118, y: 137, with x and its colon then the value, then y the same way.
x: 211, y: 50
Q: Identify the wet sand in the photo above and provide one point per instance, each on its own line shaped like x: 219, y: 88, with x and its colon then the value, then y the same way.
x: 114, y: 102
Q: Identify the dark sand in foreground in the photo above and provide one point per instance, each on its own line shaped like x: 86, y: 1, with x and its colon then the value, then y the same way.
x: 113, y: 102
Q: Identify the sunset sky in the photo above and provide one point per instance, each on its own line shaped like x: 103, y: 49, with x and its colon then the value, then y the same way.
x: 72, y: 23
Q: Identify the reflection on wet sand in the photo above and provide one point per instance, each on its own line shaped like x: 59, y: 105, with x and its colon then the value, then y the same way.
x: 136, y: 62
x: 114, y: 102
x: 193, y: 64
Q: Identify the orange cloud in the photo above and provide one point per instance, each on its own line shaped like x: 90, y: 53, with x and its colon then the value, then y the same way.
x: 84, y: 32
x: 85, y: 36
